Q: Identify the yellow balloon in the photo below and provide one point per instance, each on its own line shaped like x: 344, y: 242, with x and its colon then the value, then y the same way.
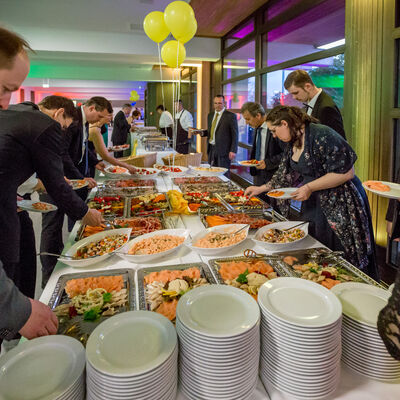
x: 134, y: 97
x: 179, y: 18
x: 154, y: 26
x: 190, y: 34
x: 173, y: 53
x: 133, y: 93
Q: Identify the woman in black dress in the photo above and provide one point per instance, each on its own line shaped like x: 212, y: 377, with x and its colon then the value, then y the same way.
x: 320, y: 163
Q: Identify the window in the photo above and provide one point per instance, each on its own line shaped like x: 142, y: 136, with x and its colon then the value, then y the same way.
x: 237, y: 93
x: 327, y: 74
x: 278, y: 7
x: 242, y: 155
x: 240, y: 61
x: 239, y: 33
x: 303, y: 35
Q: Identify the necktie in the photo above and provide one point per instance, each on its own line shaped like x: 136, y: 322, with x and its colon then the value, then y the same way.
x: 86, y: 150
x: 213, y: 126
x: 258, y: 144
x: 307, y: 107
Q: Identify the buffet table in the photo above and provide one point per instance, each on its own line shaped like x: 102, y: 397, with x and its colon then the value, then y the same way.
x: 352, y: 386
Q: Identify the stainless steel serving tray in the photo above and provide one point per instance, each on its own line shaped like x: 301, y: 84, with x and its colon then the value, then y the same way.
x: 269, y: 214
x: 142, y: 272
x: 238, y: 207
x: 109, y: 190
x: 195, y: 179
x: 112, y: 213
x: 214, y: 265
x: 77, y: 327
x: 144, y: 213
x: 222, y: 187
x: 322, y: 255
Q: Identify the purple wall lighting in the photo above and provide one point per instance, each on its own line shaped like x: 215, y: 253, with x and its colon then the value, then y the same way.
x: 244, y: 31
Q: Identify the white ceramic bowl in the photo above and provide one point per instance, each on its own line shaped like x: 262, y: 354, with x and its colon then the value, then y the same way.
x: 113, y: 175
x: 221, y: 229
x: 154, y: 173
x: 93, y: 238
x: 150, y: 257
x: 279, y: 225
x: 219, y: 171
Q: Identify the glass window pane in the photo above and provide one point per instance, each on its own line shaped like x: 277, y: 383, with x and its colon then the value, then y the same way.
x: 237, y: 93
x: 239, y: 33
x: 244, y: 172
x: 303, y: 35
x: 279, y: 7
x: 240, y: 61
x: 397, y: 22
x: 326, y: 73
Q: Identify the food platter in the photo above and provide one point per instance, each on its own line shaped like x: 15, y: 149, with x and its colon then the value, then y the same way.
x: 147, y: 289
x: 78, y: 183
x: 249, y: 163
x: 223, y: 270
x: 325, y: 258
x: 220, y: 187
x: 115, y: 172
x: 146, y: 172
x: 281, y: 193
x: 238, y: 201
x: 109, y: 206
x: 77, y: 326
x: 194, y: 180
x: 392, y: 193
x: 209, y: 171
x: 127, y: 187
x: 121, y: 147
x: 204, y: 200
x: 148, y: 204
x: 36, y: 206
x: 172, y: 171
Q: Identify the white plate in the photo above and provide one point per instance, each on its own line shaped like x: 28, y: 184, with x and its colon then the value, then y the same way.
x: 287, y: 193
x: 279, y: 225
x: 300, y: 302
x: 208, y: 171
x: 56, y: 362
x: 218, y: 310
x: 361, y: 302
x: 221, y: 229
x: 393, y: 193
x: 93, y: 238
x: 28, y: 206
x: 75, y: 182
x: 184, y: 170
x: 150, y: 257
x: 244, y: 163
x: 113, y: 175
x: 153, y: 173
x: 131, y: 343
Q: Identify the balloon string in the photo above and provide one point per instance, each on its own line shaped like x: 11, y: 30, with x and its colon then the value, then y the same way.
x: 161, y: 76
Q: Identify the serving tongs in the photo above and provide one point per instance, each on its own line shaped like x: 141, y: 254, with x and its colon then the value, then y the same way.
x: 63, y: 256
x: 228, y: 235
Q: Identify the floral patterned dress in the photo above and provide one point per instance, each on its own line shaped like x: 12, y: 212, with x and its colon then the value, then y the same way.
x: 389, y: 322
x: 326, y: 151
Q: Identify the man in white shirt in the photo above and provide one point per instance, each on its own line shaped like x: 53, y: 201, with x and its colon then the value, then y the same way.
x: 266, y: 148
x: 166, y: 121
x: 184, y: 121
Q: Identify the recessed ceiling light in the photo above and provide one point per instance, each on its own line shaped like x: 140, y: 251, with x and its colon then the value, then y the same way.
x: 332, y: 44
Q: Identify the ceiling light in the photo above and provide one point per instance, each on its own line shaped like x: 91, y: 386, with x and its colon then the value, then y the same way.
x: 332, y: 44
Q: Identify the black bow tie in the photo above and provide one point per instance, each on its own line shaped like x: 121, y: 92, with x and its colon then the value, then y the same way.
x: 307, y: 106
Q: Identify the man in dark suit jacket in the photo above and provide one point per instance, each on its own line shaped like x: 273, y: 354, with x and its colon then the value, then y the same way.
x: 222, y: 135
x: 266, y: 148
x: 121, y: 128
x: 318, y: 103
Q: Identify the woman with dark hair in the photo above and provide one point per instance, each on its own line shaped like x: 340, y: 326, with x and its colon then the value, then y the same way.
x: 320, y: 163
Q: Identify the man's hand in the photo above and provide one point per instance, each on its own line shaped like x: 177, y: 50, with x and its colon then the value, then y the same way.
x: 302, y: 193
x: 232, y: 155
x: 131, y: 169
x: 41, y: 322
x: 93, y: 218
x: 100, y: 166
x: 91, y: 182
x: 254, y: 190
x: 261, y: 165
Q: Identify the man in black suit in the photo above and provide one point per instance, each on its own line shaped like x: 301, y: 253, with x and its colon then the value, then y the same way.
x: 266, y: 148
x: 222, y: 134
x: 317, y: 102
x: 121, y: 128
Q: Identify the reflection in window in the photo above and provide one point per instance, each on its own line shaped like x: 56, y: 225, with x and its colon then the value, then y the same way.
x: 239, y: 33
x: 244, y: 172
x: 327, y: 74
x: 240, y: 61
x: 278, y: 7
x: 237, y: 93
x: 303, y: 35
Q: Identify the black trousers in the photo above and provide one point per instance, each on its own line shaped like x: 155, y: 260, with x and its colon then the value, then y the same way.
x: 216, y: 159
x: 23, y: 272
x: 51, y: 239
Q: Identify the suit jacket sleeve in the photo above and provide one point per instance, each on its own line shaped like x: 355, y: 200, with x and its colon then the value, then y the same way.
x: 15, y: 308
x: 70, y: 170
x: 273, y: 154
x: 92, y: 158
x: 47, y: 162
x: 234, y: 131
x: 120, y: 129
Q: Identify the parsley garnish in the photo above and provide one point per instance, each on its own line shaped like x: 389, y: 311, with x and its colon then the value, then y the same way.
x: 242, y: 278
x: 107, y: 297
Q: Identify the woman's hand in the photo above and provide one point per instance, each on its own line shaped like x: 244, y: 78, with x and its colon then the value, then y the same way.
x: 254, y: 190
x: 302, y: 193
x: 261, y: 165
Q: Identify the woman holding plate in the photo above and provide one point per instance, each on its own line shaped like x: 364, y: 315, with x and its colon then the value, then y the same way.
x: 320, y: 163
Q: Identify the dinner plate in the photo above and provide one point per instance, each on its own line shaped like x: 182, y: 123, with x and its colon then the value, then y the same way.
x: 280, y: 225
x: 153, y: 173
x: 209, y: 171
x: 93, y: 238
x: 57, y: 362
x: 183, y: 170
x: 78, y: 183
x: 361, y: 302
x: 218, y: 311
x: 131, y: 343
x: 227, y: 228
x: 247, y: 163
x: 116, y: 175
x: 393, y: 193
x: 138, y: 258
x: 300, y: 302
x: 287, y: 193
x: 28, y: 206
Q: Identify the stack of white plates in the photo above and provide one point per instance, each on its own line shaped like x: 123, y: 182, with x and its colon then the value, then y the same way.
x: 46, y: 368
x: 133, y: 355
x: 363, y: 348
x: 300, y: 337
x: 219, y: 343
